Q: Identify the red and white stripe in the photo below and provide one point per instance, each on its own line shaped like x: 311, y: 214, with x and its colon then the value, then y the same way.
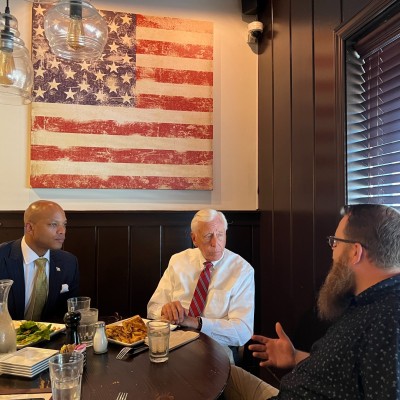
x: 163, y: 142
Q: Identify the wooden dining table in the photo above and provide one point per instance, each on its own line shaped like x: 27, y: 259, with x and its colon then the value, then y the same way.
x: 199, y: 370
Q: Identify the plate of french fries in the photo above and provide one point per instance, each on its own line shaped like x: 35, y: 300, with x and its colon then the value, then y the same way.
x: 129, y: 332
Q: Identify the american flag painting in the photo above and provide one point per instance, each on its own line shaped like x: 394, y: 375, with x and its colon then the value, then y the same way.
x: 138, y: 118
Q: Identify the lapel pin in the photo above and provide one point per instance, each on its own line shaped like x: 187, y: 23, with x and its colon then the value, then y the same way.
x: 58, y: 269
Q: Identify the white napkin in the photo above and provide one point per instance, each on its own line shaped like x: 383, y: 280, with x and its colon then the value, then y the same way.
x: 179, y: 338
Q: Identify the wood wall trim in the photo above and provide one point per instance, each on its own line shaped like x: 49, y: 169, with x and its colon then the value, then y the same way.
x: 122, y: 254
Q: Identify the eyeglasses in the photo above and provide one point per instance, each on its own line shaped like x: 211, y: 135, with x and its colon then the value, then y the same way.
x: 333, y: 239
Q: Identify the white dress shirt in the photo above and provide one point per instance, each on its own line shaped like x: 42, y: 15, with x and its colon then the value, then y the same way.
x: 29, y: 269
x: 228, y: 316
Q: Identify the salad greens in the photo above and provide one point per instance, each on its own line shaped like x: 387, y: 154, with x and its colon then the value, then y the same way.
x: 31, y: 332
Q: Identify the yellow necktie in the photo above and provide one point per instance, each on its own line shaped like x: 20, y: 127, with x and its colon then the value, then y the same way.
x: 39, y: 293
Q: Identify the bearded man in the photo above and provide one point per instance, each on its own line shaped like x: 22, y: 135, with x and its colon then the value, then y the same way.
x: 358, y: 357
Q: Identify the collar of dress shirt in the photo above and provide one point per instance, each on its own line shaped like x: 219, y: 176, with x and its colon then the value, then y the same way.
x: 214, y: 263
x: 29, y: 255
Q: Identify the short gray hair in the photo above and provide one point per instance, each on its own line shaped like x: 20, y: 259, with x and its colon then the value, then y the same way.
x: 207, y: 215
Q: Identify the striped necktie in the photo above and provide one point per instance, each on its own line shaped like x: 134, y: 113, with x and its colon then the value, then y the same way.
x: 39, y: 292
x: 200, y: 293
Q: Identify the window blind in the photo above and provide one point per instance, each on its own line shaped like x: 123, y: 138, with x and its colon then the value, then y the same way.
x: 373, y: 117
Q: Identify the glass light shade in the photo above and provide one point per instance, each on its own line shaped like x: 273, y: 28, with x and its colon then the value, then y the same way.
x: 75, y: 30
x: 16, y: 70
x: 42, y: 1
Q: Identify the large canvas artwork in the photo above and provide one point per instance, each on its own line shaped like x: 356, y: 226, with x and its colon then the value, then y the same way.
x: 138, y: 118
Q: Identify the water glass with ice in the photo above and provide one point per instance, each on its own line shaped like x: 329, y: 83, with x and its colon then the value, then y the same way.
x: 158, y: 336
x: 87, y: 326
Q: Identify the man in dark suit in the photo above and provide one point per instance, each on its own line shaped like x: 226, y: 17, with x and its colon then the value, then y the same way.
x: 44, y: 234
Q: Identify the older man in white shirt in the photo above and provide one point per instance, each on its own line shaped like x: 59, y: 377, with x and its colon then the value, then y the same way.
x: 228, y: 315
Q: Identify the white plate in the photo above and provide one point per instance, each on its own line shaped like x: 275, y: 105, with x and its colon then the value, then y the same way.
x: 118, y: 323
x: 27, y: 362
x: 56, y: 328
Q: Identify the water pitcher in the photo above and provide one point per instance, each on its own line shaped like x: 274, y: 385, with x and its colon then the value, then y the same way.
x: 8, y: 339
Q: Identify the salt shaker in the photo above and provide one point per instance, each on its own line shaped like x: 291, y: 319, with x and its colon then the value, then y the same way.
x: 100, y: 341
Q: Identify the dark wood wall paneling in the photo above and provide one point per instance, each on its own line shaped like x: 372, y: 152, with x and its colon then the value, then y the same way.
x: 301, y: 185
x: 122, y: 255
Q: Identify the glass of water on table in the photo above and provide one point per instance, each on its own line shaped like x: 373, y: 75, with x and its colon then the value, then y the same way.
x: 158, y: 336
x: 66, y: 376
x: 78, y: 303
x: 87, y: 326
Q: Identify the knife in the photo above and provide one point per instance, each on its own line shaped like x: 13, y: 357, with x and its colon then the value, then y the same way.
x: 137, y: 350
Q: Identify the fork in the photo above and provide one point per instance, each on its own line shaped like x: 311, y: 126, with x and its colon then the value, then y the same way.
x: 124, y: 351
x: 122, y: 395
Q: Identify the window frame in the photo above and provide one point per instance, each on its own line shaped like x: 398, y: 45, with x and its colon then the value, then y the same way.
x: 358, y: 26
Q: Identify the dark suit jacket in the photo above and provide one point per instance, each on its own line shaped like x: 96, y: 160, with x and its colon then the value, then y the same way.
x: 63, y: 270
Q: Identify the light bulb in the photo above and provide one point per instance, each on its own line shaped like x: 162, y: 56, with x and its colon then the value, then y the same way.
x: 16, y: 69
x: 76, y: 34
x: 7, y: 66
x: 75, y: 30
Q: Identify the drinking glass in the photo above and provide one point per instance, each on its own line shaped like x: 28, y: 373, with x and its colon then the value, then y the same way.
x: 158, y: 337
x: 78, y: 303
x: 66, y: 376
x: 87, y: 326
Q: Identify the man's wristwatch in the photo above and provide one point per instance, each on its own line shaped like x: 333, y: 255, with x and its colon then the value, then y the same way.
x: 199, y: 323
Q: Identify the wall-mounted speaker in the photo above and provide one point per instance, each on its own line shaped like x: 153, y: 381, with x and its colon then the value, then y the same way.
x: 250, y: 7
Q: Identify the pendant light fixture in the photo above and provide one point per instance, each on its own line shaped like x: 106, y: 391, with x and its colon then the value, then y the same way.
x: 75, y: 30
x: 16, y: 70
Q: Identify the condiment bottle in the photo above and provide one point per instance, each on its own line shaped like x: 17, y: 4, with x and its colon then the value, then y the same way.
x: 100, y: 341
x: 72, y: 321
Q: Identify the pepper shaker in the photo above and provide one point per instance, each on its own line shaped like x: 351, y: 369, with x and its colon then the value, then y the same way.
x: 72, y: 321
x: 100, y: 341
